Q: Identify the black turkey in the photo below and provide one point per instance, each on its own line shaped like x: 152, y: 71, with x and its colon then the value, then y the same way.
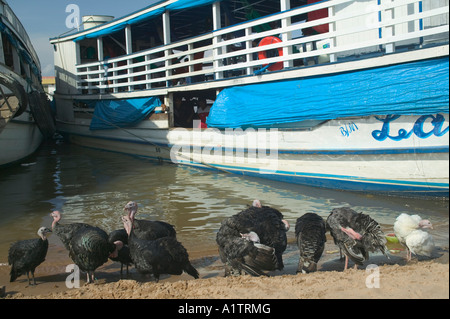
x: 160, y: 256
x: 65, y: 232
x: 90, y: 249
x: 250, y: 256
x: 310, y: 232
x: 120, y: 239
x: 118, y: 234
x: 122, y: 255
x: 240, y: 254
x: 356, y: 234
x: 24, y: 256
x: 148, y: 229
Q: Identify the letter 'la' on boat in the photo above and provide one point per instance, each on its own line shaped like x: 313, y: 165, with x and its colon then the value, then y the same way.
x: 340, y: 94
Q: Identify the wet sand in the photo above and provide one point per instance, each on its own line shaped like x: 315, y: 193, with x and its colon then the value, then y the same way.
x: 423, y: 278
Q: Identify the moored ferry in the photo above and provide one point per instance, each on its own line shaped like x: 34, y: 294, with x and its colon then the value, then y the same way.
x: 25, y: 114
x: 341, y: 94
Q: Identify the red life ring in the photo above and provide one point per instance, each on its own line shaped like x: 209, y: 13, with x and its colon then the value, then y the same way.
x: 269, y: 53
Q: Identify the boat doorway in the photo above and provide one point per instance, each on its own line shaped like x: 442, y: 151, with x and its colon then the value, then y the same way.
x: 191, y: 109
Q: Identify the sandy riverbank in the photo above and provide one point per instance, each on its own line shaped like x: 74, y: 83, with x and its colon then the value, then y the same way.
x: 397, y: 280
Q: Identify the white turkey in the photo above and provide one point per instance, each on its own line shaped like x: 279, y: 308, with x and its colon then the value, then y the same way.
x: 408, y: 230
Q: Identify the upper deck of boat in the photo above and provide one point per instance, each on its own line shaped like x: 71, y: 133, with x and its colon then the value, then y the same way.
x: 205, y: 45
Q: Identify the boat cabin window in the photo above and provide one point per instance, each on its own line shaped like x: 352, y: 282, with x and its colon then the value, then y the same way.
x: 114, y: 45
x: 24, y: 70
x: 147, y: 34
x: 190, y: 22
x: 237, y: 11
x: 15, y: 61
x: 8, y: 52
x: 88, y: 51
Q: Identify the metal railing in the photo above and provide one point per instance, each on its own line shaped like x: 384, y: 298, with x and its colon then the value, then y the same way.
x: 18, y: 28
x: 354, y: 29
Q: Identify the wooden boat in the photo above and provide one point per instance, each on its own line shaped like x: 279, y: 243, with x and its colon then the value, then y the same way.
x: 341, y: 94
x: 25, y: 115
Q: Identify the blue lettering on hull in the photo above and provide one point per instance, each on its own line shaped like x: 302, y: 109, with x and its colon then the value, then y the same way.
x: 437, y: 121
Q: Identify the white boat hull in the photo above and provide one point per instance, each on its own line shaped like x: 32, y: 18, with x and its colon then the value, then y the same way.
x: 25, y: 114
x: 370, y: 154
x: 19, y: 139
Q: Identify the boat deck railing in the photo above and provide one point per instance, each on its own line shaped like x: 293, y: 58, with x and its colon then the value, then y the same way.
x: 355, y: 30
x: 8, y: 16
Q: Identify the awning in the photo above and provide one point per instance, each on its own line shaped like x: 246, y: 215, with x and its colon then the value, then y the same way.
x: 25, y: 54
x: 417, y: 88
x: 178, y: 5
x: 111, y: 114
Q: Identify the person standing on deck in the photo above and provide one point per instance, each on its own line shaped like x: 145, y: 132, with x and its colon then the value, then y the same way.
x: 203, y: 111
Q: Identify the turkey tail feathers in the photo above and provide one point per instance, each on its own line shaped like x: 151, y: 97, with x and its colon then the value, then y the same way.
x: 354, y: 256
x: 252, y: 270
x: 264, y: 258
x: 13, y: 275
x: 374, y: 237
x: 191, y: 271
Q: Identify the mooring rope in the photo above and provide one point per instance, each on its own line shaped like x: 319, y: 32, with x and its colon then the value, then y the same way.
x: 152, y: 143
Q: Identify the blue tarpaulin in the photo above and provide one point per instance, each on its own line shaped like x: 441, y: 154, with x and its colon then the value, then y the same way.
x: 417, y: 88
x: 110, y: 114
